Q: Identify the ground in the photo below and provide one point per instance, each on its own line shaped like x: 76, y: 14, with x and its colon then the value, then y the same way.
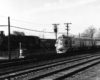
x: 93, y: 73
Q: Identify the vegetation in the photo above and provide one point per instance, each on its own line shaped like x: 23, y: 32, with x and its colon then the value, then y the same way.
x: 89, y: 32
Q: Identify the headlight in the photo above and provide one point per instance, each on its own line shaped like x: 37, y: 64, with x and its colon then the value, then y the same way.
x: 55, y: 45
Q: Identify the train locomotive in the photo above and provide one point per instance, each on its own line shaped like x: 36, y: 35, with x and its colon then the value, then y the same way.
x: 64, y: 44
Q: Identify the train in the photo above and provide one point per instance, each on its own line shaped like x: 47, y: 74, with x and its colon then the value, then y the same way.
x: 25, y: 46
x: 65, y: 44
x: 34, y: 46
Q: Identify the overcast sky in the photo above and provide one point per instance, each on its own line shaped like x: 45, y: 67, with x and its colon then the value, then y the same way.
x: 41, y: 14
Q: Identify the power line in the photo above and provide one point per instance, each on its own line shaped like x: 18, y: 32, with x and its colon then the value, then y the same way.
x: 30, y: 22
x: 24, y: 21
x: 3, y: 25
x: 3, y: 16
x: 30, y: 29
x: 27, y: 29
x: 33, y: 30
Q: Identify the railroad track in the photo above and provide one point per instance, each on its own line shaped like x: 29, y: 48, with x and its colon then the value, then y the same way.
x: 31, y: 63
x: 52, y: 70
x: 20, y: 67
x: 8, y: 63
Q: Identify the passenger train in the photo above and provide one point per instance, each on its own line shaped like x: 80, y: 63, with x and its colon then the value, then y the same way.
x: 65, y: 44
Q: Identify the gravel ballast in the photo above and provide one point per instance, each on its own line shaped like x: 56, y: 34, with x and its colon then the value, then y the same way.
x: 92, y: 73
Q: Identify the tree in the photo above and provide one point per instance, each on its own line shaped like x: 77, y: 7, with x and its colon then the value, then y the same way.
x: 97, y: 34
x: 18, y: 33
x: 89, y: 32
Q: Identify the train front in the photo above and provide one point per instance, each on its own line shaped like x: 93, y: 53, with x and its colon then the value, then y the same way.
x: 62, y: 45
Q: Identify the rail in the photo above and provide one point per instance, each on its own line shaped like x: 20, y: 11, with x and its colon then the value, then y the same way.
x: 47, y: 70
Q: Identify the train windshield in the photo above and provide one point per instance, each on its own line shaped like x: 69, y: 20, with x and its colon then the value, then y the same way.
x: 59, y: 41
x: 66, y: 43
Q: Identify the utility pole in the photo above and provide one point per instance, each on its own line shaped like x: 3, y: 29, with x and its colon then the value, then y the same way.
x: 55, y: 29
x: 79, y: 35
x: 43, y: 33
x: 67, y: 25
x: 9, y: 38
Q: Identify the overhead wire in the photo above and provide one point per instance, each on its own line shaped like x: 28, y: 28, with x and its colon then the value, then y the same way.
x: 30, y: 29
x: 26, y: 28
x: 3, y: 16
x: 3, y: 25
x: 29, y: 22
x: 33, y: 30
x: 24, y: 21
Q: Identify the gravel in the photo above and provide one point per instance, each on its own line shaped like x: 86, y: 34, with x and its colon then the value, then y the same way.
x: 92, y: 73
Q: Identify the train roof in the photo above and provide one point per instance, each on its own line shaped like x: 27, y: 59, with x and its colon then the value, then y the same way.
x: 82, y: 38
x: 63, y: 36
x: 48, y: 40
x: 22, y: 38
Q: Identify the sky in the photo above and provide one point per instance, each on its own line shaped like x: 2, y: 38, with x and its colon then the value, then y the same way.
x: 41, y: 14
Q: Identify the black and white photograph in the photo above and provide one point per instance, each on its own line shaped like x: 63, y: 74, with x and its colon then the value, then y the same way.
x: 49, y: 39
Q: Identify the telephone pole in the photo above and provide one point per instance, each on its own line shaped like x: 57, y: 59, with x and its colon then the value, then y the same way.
x: 79, y: 35
x: 55, y: 29
x: 9, y: 38
x: 43, y: 33
x: 67, y: 25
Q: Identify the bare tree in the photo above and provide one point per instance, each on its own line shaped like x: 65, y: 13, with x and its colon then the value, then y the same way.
x: 98, y: 34
x: 89, y: 32
x: 18, y: 33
